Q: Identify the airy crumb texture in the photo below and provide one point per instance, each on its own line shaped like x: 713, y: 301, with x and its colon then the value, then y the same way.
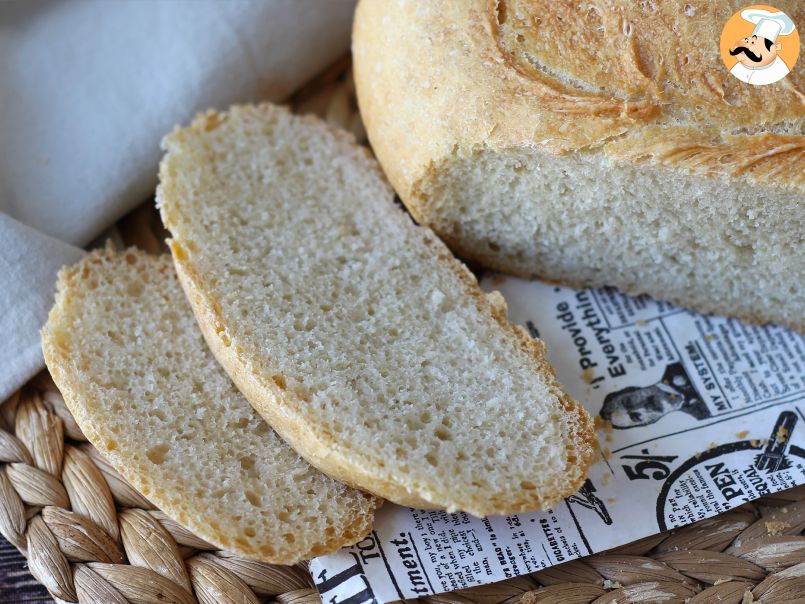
x: 354, y: 332
x: 717, y: 250
x: 123, y: 347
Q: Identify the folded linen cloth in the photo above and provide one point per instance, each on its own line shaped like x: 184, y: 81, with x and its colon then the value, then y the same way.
x: 87, y: 90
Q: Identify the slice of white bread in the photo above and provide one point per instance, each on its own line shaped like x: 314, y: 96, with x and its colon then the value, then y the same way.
x: 593, y: 144
x: 355, y: 333
x: 123, y: 347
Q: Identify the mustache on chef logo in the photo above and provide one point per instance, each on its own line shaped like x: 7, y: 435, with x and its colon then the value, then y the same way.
x: 742, y: 49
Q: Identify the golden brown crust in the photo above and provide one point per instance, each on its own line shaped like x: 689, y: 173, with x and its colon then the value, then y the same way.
x: 448, y: 77
x: 284, y: 408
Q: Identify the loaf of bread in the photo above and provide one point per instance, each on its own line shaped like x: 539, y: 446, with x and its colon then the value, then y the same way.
x: 124, y: 348
x: 598, y: 143
x: 355, y: 333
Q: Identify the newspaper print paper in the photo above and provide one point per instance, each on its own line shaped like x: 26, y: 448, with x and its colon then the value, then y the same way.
x: 696, y: 415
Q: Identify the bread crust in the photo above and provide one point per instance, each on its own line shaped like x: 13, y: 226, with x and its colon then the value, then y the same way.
x: 444, y: 80
x: 284, y: 409
x: 433, y: 87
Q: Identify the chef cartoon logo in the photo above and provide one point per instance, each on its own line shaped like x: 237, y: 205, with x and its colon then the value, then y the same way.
x: 760, y: 45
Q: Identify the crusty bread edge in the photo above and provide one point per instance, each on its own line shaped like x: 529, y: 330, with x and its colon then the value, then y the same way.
x: 57, y: 364
x: 283, y: 412
x: 411, y: 178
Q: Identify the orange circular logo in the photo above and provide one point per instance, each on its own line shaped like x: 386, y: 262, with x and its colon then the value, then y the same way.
x: 759, y: 45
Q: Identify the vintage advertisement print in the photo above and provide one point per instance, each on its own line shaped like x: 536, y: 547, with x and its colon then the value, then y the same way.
x: 695, y: 414
x: 760, y: 45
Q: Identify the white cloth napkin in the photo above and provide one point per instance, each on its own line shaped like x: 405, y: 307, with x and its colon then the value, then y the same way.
x: 87, y: 90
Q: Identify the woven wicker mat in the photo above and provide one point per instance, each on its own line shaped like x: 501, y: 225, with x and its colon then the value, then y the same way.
x: 89, y: 537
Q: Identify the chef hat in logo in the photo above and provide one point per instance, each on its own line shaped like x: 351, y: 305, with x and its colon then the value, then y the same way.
x: 769, y: 25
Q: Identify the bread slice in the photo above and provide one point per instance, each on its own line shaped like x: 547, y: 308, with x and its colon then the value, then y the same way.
x: 593, y: 144
x: 355, y: 333
x: 124, y: 349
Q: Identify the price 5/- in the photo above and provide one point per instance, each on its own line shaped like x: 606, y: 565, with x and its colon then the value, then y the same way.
x: 646, y: 466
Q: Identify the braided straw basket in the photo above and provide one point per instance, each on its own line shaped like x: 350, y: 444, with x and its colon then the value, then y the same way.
x: 90, y: 537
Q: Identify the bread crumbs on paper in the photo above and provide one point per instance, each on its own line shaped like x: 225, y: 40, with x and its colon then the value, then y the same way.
x: 601, y: 423
x: 782, y: 434
x: 742, y: 434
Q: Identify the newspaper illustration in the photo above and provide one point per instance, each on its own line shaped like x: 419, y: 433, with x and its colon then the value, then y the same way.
x: 695, y: 415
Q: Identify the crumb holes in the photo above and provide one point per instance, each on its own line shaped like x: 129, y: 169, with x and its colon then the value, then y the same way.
x: 412, y: 423
x: 443, y: 434
x: 134, y: 289
x: 527, y: 485
x: 493, y: 246
x: 253, y: 498
x: 461, y: 456
x: 249, y: 531
x: 289, y: 538
x: 158, y: 413
x: 279, y: 381
x: 157, y: 454
x: 431, y: 459
x: 111, y: 445
x: 239, y: 425
x: 247, y: 462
